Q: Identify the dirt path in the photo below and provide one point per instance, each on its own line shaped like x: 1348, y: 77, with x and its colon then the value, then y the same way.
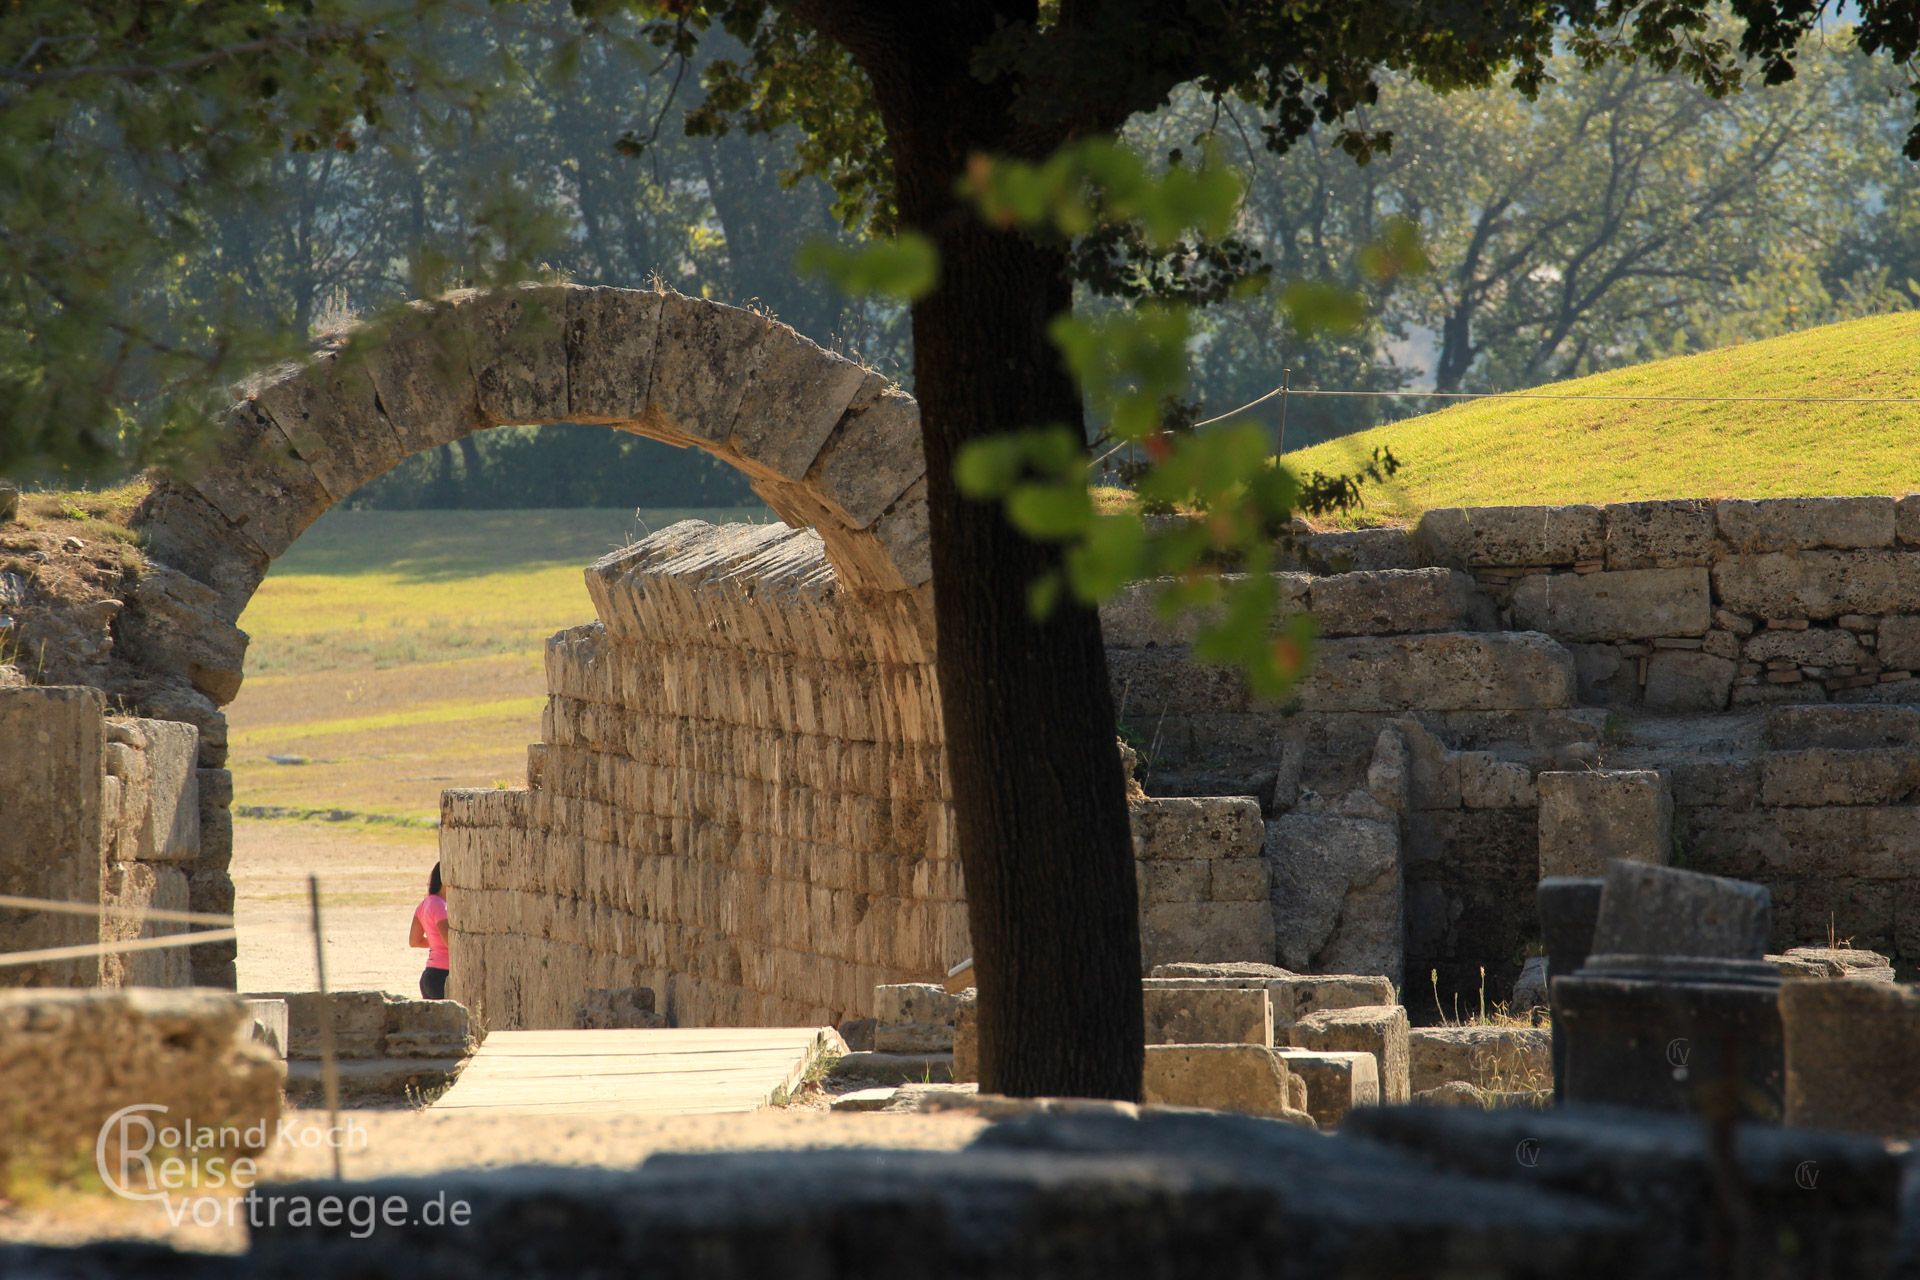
x: 370, y: 880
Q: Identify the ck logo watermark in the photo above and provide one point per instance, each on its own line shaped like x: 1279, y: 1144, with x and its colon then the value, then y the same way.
x: 1806, y: 1175
x: 1679, y: 1050
x: 1527, y: 1153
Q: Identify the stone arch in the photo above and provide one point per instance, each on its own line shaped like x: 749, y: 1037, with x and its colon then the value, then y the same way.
x: 827, y: 444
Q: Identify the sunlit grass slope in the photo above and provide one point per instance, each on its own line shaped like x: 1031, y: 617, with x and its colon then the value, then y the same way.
x: 1491, y: 453
x: 396, y: 653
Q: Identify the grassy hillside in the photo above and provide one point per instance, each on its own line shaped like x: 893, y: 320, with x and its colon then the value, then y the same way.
x: 1488, y: 453
x: 395, y: 653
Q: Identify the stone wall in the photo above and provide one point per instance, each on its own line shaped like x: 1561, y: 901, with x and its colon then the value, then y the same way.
x: 1466, y: 657
x: 98, y: 809
x: 739, y: 800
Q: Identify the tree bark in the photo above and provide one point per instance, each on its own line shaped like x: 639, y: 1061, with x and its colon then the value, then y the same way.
x: 1040, y: 803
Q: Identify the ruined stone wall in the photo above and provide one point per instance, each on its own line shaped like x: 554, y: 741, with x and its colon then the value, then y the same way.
x: 1463, y: 658
x: 96, y: 809
x: 739, y: 800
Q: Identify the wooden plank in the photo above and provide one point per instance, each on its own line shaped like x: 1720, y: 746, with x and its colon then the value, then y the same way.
x: 671, y: 1071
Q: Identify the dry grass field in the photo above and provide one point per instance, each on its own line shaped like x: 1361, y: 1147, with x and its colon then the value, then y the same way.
x: 394, y: 654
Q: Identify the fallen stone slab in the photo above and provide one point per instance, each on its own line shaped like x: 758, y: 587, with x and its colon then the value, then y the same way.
x: 1496, y: 1059
x: 913, y: 1017
x: 894, y: 1068
x: 1294, y: 995
x: 1208, y: 1015
x: 1833, y: 962
x: 1380, y: 1030
x: 863, y: 1100
x: 1335, y: 1083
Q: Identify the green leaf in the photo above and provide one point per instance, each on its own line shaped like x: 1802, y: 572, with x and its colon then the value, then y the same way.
x: 904, y: 268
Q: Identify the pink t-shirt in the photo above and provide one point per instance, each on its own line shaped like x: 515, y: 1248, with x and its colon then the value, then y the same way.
x: 432, y: 915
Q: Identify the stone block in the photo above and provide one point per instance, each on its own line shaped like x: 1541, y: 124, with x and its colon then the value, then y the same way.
x: 1445, y: 671
x: 874, y: 454
x: 132, y: 889
x: 1684, y: 681
x: 1205, y: 931
x: 1497, y: 1059
x: 1590, y: 817
x: 1660, y: 535
x: 1398, y: 602
x: 1819, y: 585
x: 1530, y: 988
x: 426, y: 1029
x: 1488, y: 782
x: 1792, y: 524
x: 1337, y: 894
x: 1661, y: 911
x: 1510, y: 537
x: 1625, y: 605
x: 1246, y: 1078
x: 52, y: 758
x: 1356, y: 550
x: 1379, y: 1030
x: 1196, y: 829
x: 1898, y: 647
x: 1830, y: 776
x: 359, y: 1020
x: 1835, y: 962
x: 1132, y: 618
x: 913, y: 1017
x: 966, y: 1037
x: 1815, y: 647
x: 70, y: 1060
x: 1335, y: 1083
x: 269, y: 1018
x: 1851, y: 1049
x: 1208, y: 1015
x: 605, y: 1008
x: 179, y: 625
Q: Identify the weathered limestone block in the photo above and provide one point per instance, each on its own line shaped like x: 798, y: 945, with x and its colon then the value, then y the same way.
x: 52, y: 760
x: 1488, y: 782
x: 1815, y: 647
x: 1660, y: 535
x: 1851, y: 1049
x: 1843, y: 727
x: 1398, y: 602
x: 797, y: 396
x: 1790, y: 524
x: 516, y: 349
x: 1504, y: 537
x: 903, y: 533
x: 1353, y: 550
x: 1335, y: 1083
x: 1660, y: 911
x: 1498, y: 1059
x: 1293, y: 995
x: 1450, y: 671
x: 373, y: 1024
x: 1205, y: 931
x: 1247, y: 1078
x: 1678, y: 680
x: 329, y: 410
x: 914, y: 1017
x: 1132, y: 618
x: 1190, y: 829
x: 180, y: 528
x: 1379, y: 1030
x: 1530, y: 988
x: 134, y: 888
x: 1628, y: 604
x: 703, y: 359
x: 873, y: 455
x: 610, y: 335
x: 70, y: 1059
x: 1899, y: 643
x: 617, y: 1007
x: 1829, y: 776
x: 1208, y: 1015
x: 269, y: 1019
x: 1337, y: 893
x: 1819, y: 584
x: 161, y: 787
x: 966, y: 1037
x: 176, y: 624
x: 1590, y: 817
x: 1825, y: 963
x: 261, y: 484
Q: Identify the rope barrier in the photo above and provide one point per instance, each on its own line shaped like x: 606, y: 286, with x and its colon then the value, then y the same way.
x: 86, y: 950
x: 57, y: 907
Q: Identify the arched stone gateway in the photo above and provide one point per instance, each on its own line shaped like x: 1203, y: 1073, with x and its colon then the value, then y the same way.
x: 828, y: 444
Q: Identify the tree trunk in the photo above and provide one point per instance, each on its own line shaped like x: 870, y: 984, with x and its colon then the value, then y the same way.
x: 1043, y: 827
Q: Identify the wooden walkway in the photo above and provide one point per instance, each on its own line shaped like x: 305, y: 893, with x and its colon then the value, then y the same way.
x: 680, y: 1071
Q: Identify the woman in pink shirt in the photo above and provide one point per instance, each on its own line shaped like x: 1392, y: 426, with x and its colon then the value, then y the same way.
x: 430, y: 931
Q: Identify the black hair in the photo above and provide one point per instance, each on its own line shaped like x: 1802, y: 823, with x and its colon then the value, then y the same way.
x: 433, y: 881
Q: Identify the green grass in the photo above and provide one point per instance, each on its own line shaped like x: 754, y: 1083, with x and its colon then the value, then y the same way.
x: 1492, y: 453
x: 399, y: 652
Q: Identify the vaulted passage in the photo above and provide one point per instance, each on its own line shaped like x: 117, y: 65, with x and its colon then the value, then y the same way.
x: 829, y: 445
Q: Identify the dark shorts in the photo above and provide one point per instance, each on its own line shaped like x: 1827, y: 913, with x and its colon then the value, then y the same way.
x: 433, y: 984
